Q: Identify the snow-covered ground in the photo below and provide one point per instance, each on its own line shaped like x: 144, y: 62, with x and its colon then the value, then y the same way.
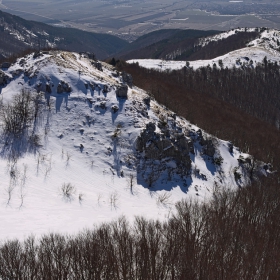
x: 267, y: 45
x: 79, y: 146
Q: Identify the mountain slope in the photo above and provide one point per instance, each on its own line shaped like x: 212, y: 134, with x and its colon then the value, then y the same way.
x: 266, y: 45
x: 86, y: 155
x: 18, y: 35
x: 163, y: 43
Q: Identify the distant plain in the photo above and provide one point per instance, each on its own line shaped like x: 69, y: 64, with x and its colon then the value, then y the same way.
x: 132, y: 18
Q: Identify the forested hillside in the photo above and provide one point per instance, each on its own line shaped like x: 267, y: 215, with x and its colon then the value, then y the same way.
x: 185, y: 45
x: 18, y: 35
x: 241, y: 105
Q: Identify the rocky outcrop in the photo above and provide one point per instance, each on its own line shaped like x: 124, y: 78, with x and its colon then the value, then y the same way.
x: 127, y: 79
x: 147, y: 100
x: 97, y: 65
x: 122, y: 91
x: 3, y: 78
x: 48, y: 88
x: 63, y: 87
x: 115, y: 108
x: 157, y: 146
x: 207, y: 143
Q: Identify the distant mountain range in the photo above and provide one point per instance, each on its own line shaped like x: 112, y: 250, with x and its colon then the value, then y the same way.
x: 186, y: 44
x: 18, y: 35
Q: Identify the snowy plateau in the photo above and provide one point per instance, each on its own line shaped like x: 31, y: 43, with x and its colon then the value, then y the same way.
x: 267, y: 45
x: 94, y: 154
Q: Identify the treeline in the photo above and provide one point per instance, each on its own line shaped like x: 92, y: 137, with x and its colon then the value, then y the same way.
x: 221, y: 102
x: 217, y: 48
x: 184, y: 45
x: 235, y: 236
x: 256, y: 90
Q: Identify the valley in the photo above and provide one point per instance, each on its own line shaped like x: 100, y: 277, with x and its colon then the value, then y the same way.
x: 131, y: 19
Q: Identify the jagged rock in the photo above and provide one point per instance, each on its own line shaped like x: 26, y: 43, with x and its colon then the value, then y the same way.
x: 63, y: 87
x: 147, y: 100
x: 92, y: 85
x: 97, y: 65
x: 116, y: 74
x: 209, y: 148
x: 115, y: 108
x: 39, y: 86
x: 105, y: 89
x: 2, y: 78
x: 191, y: 146
x: 122, y: 91
x: 267, y: 167
x: 48, y: 88
x: 37, y: 54
x: 59, y: 88
x: 127, y: 79
x: 22, y: 62
x: 230, y: 147
x: 156, y: 146
x: 102, y: 104
x: 150, y: 127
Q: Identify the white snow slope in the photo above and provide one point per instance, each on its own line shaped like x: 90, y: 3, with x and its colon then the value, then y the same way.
x: 265, y: 46
x: 78, y: 147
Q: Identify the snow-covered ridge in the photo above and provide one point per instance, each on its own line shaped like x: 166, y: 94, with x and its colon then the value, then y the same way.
x: 205, y: 41
x: 117, y: 156
x: 268, y: 45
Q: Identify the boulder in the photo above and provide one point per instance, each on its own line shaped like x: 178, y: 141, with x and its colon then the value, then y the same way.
x: 102, y: 105
x: 48, y: 88
x: 230, y: 147
x: 115, y: 108
x: 127, y: 79
x: 97, y: 65
x: 122, y: 91
x: 157, y: 146
x: 105, y: 89
x: 147, y: 100
x: 63, y: 87
x: 209, y: 148
x: 3, y: 78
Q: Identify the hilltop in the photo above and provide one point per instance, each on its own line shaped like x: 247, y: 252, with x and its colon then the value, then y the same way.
x: 95, y: 147
x: 265, y: 45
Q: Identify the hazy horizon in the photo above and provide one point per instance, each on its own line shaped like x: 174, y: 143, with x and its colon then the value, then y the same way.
x: 130, y: 19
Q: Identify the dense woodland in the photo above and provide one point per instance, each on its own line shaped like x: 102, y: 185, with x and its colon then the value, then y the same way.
x: 240, y: 105
x: 186, y: 45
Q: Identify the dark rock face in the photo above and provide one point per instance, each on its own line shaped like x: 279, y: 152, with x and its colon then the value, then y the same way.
x: 209, y: 148
x: 230, y: 147
x: 115, y: 108
x: 122, y: 91
x: 37, y: 54
x: 208, y: 145
x: 157, y: 146
x: 105, y: 89
x: 102, y: 105
x: 97, y: 65
x: 147, y: 100
x: 63, y: 87
x: 48, y: 88
x: 3, y: 78
x: 127, y: 79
